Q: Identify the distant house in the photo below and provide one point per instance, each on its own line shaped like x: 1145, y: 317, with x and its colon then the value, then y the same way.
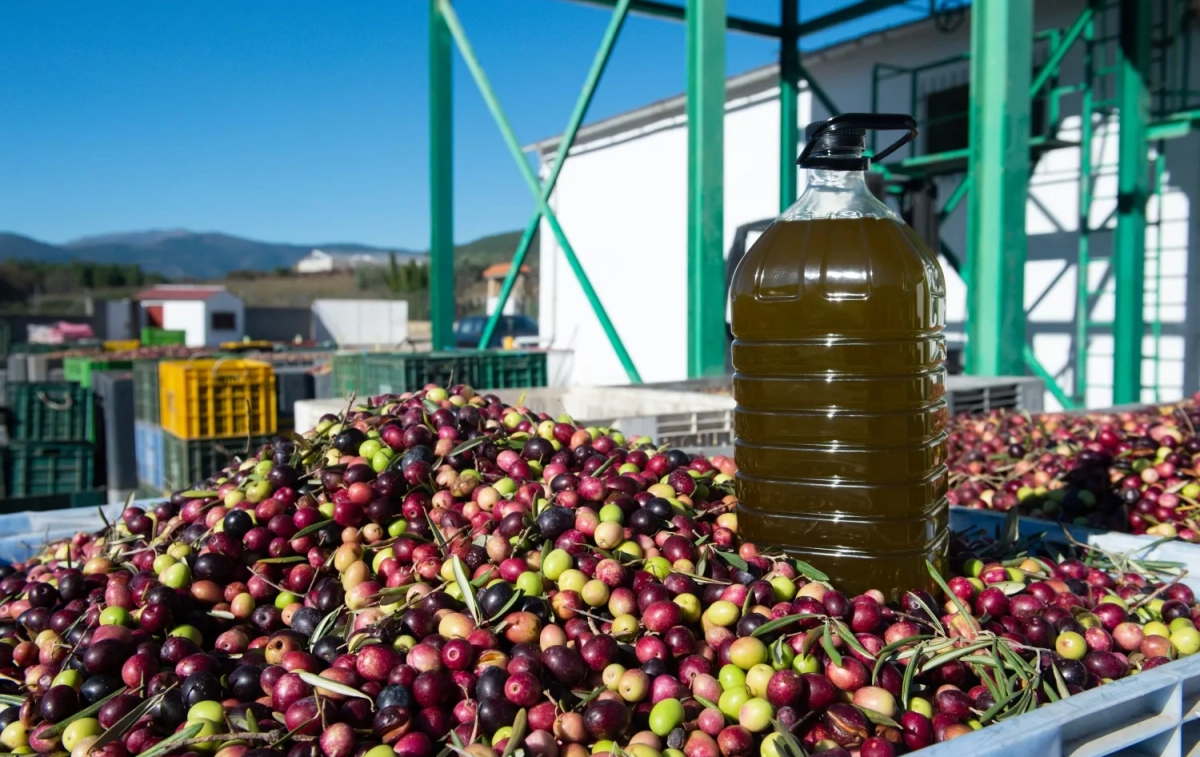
x: 208, y: 315
x: 494, y: 276
x: 327, y: 261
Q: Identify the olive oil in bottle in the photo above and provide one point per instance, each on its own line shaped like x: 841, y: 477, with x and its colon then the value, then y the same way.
x: 837, y: 317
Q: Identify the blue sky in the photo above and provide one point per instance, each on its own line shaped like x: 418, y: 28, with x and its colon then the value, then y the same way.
x: 299, y: 121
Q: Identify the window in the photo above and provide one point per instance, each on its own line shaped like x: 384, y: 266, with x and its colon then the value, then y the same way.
x: 223, y: 320
x: 947, y: 124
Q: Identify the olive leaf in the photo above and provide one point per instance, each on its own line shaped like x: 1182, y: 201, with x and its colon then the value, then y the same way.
x: 848, y: 636
x: 809, y: 571
x: 470, y: 444
x: 282, y: 560
x: 942, y: 659
x: 87, y: 712
x: 516, y: 597
x: 827, y: 644
x: 118, y: 729
x: 517, y: 737
x: 974, y: 624
x: 878, y: 718
x: 929, y: 611
x: 326, y: 623
x: 791, y: 745
x: 312, y: 528
x: 1060, y: 682
x: 909, y: 672
x: 734, y: 560
x: 168, y: 744
x: 604, y: 466
x: 464, y: 586
x: 706, y: 703
x: 319, y: 682
x: 587, y: 696
x: 199, y: 494
x: 786, y: 620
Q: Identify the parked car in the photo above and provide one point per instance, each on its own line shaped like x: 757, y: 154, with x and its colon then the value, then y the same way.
x: 468, y: 330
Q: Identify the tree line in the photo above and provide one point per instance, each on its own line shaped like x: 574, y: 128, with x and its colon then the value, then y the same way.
x: 21, y: 279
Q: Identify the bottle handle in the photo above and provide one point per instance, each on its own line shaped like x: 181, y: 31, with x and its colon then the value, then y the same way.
x: 869, y: 122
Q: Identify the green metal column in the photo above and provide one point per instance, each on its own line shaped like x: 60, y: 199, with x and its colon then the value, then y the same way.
x: 789, y: 87
x: 706, y: 196
x: 1133, y: 188
x: 564, y: 146
x: 441, y: 181
x: 1001, y: 65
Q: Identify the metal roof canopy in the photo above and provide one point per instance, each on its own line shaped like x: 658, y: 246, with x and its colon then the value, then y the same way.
x: 1001, y: 65
x: 707, y: 23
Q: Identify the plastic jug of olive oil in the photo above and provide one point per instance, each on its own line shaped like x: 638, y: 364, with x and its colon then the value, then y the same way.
x: 837, y: 316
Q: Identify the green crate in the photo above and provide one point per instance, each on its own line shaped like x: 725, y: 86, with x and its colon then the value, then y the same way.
x: 146, y: 401
x: 40, y: 469
x: 347, y: 373
x: 5, y: 338
x: 186, y: 461
x: 393, y: 373
x: 33, y: 348
x: 80, y: 369
x: 370, y: 373
x: 89, y: 499
x: 510, y: 369
x: 50, y: 411
x: 152, y: 337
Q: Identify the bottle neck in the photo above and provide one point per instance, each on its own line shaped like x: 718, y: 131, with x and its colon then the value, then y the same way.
x: 836, y: 193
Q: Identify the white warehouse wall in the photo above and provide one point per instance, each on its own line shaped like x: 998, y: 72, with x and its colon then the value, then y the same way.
x: 224, y: 302
x: 621, y: 199
x: 188, y: 316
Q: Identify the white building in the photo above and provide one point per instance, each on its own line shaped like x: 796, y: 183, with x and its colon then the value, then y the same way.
x: 622, y: 201
x: 327, y: 261
x: 209, y: 315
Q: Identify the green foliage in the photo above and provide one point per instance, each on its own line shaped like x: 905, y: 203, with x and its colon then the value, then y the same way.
x: 19, y: 279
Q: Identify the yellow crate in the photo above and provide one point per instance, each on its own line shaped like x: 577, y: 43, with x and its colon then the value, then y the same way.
x: 121, y: 345
x: 205, y: 399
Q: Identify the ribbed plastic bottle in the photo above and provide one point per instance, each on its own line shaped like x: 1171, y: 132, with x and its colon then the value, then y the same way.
x: 837, y: 316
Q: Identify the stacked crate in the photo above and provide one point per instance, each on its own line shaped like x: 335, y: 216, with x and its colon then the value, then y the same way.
x: 51, y: 426
x: 370, y: 373
x: 152, y: 337
x: 80, y: 369
x: 147, y: 433
x: 210, y: 411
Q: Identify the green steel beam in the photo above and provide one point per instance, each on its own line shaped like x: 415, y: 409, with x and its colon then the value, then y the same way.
x: 607, y: 43
x: 514, y: 147
x: 679, y: 13
x: 706, y: 193
x: 1083, y: 294
x: 1050, y: 67
x: 441, y: 182
x: 845, y: 15
x: 1037, y: 369
x: 1173, y: 127
x: 789, y: 88
x: 1001, y: 60
x: 1133, y: 177
x: 955, y: 198
x: 818, y: 91
x: 758, y: 28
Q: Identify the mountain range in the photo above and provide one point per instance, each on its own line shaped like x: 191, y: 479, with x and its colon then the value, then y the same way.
x: 175, y: 253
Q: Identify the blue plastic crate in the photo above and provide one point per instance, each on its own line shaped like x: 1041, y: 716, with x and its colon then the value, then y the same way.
x: 148, y: 445
x: 993, y: 524
x: 1155, y: 713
